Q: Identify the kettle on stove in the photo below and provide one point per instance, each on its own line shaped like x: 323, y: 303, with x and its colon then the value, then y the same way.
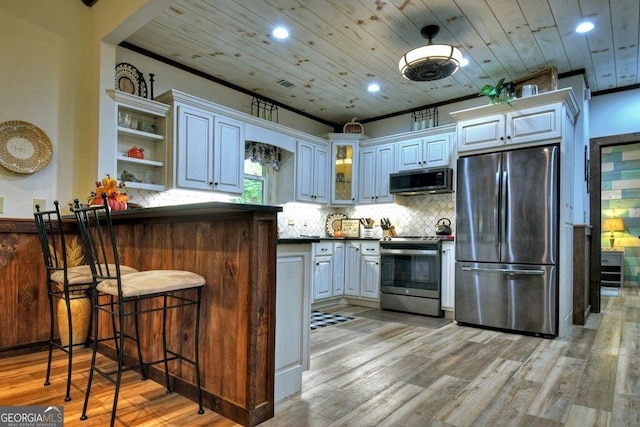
x: 443, y: 227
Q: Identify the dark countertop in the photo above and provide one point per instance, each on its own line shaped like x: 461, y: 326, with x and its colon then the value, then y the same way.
x: 297, y: 241
x: 337, y: 239
x: 191, y: 209
x: 303, y: 240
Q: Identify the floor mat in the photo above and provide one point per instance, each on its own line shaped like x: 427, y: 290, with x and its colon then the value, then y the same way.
x: 406, y: 318
x: 609, y: 292
x: 320, y: 319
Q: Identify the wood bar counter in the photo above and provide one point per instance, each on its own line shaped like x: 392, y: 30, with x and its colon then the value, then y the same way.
x: 234, y: 247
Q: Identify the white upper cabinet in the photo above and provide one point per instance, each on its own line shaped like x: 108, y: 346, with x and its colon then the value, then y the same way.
x: 194, y: 146
x: 509, y: 125
x: 228, y: 171
x: 208, y: 147
x: 344, y: 165
x: 426, y: 152
x: 312, y: 163
x: 375, y: 166
x: 210, y: 151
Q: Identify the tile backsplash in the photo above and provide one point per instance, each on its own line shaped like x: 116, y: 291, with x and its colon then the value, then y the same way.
x: 412, y: 216
x: 416, y: 216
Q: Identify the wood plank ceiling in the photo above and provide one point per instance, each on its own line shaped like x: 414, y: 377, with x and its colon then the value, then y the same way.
x: 337, y: 47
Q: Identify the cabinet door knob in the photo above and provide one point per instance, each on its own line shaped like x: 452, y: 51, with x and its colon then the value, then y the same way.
x: 215, y: 183
x: 502, y: 138
x: 508, y: 136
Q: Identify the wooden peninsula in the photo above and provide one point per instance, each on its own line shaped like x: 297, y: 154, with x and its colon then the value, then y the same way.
x: 234, y: 247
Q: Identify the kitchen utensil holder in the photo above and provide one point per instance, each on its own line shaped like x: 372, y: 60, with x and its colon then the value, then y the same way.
x: 264, y: 109
x: 424, y: 118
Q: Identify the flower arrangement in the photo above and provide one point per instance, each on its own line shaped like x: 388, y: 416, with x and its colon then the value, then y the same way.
x: 116, y: 198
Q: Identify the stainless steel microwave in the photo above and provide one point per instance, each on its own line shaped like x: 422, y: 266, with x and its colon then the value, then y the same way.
x: 428, y: 181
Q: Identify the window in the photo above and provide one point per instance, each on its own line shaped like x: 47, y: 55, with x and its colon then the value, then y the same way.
x: 254, y: 183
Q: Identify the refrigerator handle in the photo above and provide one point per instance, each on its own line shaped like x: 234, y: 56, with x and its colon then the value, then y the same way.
x: 496, y: 209
x: 504, y: 270
x: 504, y: 207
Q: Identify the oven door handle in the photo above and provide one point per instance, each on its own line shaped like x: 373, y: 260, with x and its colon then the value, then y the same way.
x: 423, y: 252
x: 504, y: 270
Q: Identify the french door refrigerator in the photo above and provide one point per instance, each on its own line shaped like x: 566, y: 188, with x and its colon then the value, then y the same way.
x: 507, y: 210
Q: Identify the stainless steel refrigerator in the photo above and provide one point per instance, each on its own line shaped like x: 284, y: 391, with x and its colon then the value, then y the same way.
x: 507, y: 210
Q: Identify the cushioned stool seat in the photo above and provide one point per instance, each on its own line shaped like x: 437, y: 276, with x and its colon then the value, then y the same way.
x: 151, y: 282
x: 82, y: 274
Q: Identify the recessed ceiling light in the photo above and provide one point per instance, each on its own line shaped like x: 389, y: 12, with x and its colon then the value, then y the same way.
x: 584, y: 27
x: 280, y: 33
x: 373, y: 87
x: 464, y: 62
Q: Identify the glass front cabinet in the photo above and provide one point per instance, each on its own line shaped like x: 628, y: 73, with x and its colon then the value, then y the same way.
x: 344, y: 172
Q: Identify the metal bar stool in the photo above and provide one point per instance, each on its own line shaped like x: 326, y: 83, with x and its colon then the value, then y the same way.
x: 125, y: 298
x: 69, y: 283
x: 64, y: 283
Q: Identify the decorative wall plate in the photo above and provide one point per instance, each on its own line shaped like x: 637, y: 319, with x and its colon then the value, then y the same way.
x: 24, y: 148
x: 130, y: 80
x: 334, y: 223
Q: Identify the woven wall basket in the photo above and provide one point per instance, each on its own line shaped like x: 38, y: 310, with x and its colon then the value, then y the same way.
x: 24, y: 148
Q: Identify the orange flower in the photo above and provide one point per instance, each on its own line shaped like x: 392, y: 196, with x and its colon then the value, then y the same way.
x: 117, y: 198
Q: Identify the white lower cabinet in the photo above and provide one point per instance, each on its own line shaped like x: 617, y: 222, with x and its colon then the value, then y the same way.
x: 338, y: 268
x: 448, y: 275
x: 293, y: 277
x: 370, y: 274
x: 352, y: 270
x: 346, y: 269
x: 362, y: 270
x: 322, y: 271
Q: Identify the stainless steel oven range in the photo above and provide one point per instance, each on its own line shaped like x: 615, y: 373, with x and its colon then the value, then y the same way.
x: 410, y: 276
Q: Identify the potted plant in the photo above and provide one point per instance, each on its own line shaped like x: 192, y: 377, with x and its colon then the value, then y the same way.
x: 501, y: 92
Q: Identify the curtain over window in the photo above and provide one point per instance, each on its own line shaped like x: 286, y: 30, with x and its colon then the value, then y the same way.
x: 265, y: 154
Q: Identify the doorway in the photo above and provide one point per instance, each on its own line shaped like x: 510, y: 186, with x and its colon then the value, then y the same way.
x: 595, y: 207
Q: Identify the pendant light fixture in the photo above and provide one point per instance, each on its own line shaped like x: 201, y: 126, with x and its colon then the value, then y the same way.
x: 430, y: 62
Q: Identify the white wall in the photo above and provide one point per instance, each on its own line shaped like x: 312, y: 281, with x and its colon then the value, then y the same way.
x: 615, y: 114
x: 168, y: 77
x: 40, y: 83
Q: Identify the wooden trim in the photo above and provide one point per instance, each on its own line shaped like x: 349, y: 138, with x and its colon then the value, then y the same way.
x: 595, y: 206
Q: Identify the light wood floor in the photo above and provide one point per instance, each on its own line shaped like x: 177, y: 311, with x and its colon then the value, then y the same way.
x: 367, y: 372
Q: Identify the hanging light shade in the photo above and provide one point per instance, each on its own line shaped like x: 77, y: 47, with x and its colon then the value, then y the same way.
x: 430, y: 62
